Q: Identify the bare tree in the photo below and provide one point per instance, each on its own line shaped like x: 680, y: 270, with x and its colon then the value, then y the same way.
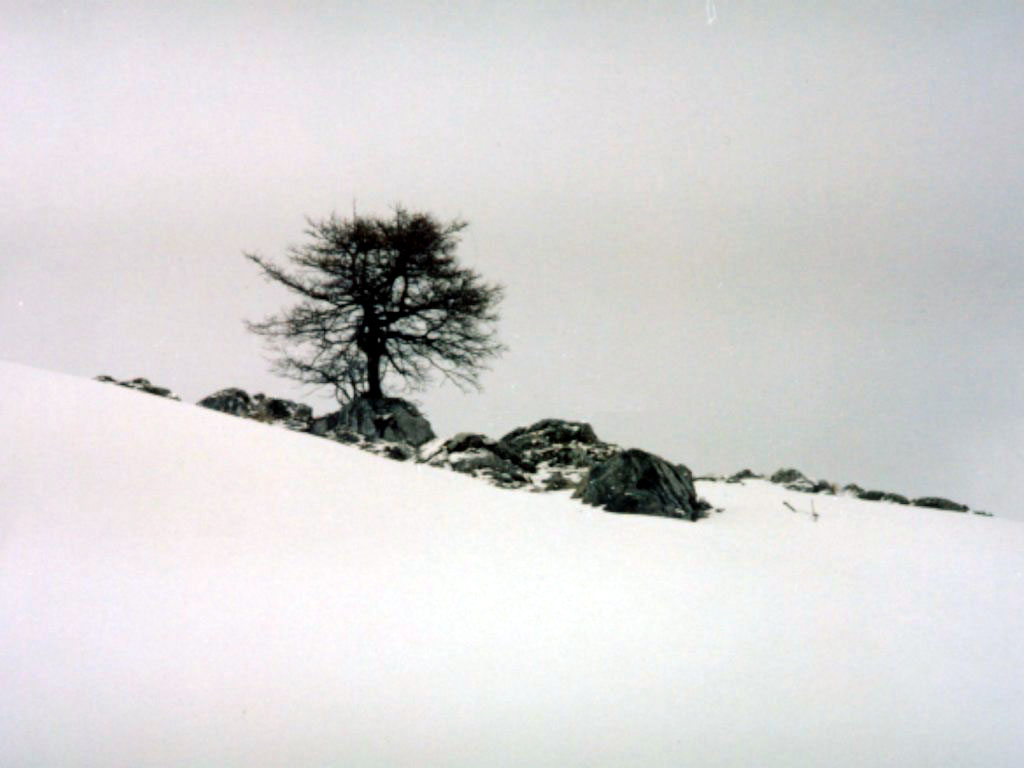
x: 381, y: 299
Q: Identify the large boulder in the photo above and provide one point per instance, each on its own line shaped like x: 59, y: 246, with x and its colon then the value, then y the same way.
x: 637, y: 482
x: 480, y: 456
x: 937, y: 502
x: 140, y: 385
x: 390, y: 419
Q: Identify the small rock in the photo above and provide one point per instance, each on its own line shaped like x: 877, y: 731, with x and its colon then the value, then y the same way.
x: 140, y: 385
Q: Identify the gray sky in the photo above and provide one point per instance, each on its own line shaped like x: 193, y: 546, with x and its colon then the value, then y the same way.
x: 790, y: 237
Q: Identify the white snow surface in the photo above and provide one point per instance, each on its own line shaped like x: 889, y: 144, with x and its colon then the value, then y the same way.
x: 179, y: 587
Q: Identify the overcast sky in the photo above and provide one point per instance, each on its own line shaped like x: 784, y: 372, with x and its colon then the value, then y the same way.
x: 790, y: 237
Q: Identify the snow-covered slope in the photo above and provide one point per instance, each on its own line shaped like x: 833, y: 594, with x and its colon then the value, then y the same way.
x: 182, y: 588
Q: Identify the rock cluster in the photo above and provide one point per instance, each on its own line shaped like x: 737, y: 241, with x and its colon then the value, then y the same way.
x: 554, y: 455
x: 270, y: 410
x: 549, y: 455
x: 795, y: 480
x: 140, y: 384
x: 391, y: 427
x: 481, y: 456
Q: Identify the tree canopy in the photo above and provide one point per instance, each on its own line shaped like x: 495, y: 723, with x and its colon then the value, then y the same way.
x: 381, y: 299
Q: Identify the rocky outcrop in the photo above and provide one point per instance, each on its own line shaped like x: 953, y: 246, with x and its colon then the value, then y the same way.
x: 937, y: 502
x: 560, y: 451
x: 550, y: 455
x: 140, y: 384
x: 390, y: 419
x: 637, y: 482
x: 481, y: 456
x: 393, y: 429
x: 270, y: 410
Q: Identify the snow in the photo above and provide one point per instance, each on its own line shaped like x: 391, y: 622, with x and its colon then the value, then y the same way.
x: 181, y: 587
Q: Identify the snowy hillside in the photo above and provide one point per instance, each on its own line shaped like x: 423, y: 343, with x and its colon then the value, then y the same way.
x: 183, y: 588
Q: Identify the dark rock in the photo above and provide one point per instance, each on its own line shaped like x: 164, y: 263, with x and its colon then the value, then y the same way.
x: 937, y: 502
x: 559, y: 481
x: 551, y: 455
x: 467, y: 441
x: 895, y: 498
x: 852, y: 489
x: 558, y: 444
x: 398, y: 452
x: 883, y: 496
x: 551, y: 431
x: 345, y: 437
x: 787, y: 476
x: 983, y: 514
x: 480, y: 456
x: 809, y: 486
x: 270, y: 410
x: 231, y: 400
x: 393, y: 451
x: 744, y: 474
x: 795, y: 480
x: 141, y: 385
x: 276, y: 409
x: 637, y: 482
x: 824, y: 486
x: 390, y: 419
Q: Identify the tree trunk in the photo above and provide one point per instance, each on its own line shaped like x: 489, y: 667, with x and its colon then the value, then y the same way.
x: 373, y: 390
